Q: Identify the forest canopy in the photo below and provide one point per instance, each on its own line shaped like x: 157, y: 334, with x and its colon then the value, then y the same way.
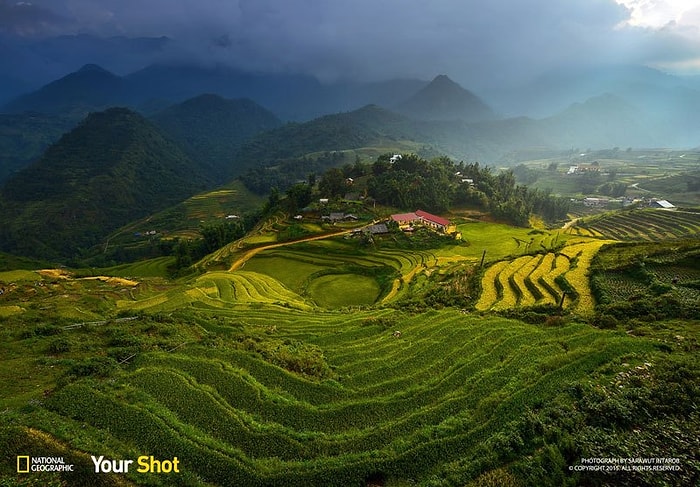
x: 438, y: 185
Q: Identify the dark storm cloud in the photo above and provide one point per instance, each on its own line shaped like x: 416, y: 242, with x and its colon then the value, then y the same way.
x: 28, y: 20
x: 477, y: 42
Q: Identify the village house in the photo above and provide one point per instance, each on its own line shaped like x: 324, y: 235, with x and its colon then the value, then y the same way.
x: 583, y: 168
x: 664, y: 204
x: 406, y: 221
x: 436, y: 222
x: 340, y: 216
x: 595, y: 202
x: 378, y: 229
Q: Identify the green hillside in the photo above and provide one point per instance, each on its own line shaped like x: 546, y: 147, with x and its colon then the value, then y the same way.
x: 212, y: 129
x: 113, y: 168
x: 268, y: 396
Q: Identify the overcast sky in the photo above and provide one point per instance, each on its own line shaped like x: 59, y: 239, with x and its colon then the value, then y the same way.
x: 476, y: 42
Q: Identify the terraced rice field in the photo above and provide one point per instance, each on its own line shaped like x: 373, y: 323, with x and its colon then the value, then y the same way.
x: 532, y: 280
x: 643, y: 225
x: 408, y: 407
x: 221, y: 290
x: 157, y: 267
x: 622, y: 286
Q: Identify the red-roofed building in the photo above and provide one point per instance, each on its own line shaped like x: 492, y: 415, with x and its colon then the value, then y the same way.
x: 405, y: 220
x: 434, y: 221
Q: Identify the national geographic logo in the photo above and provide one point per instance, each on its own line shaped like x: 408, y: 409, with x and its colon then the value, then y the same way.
x: 26, y: 464
x: 146, y: 464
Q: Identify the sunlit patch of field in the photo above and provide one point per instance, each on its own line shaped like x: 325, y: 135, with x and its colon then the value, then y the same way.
x: 339, y: 290
x: 529, y: 280
x: 501, y: 241
x: 10, y: 310
x: 292, y: 272
x: 19, y: 275
x: 218, y: 290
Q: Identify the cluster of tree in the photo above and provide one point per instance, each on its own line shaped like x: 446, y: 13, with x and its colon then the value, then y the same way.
x: 281, y: 175
x: 412, y: 182
x: 614, y: 189
x: 212, y: 236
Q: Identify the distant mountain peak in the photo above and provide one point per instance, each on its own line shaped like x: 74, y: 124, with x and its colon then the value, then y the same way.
x: 91, y: 88
x: 443, y: 79
x: 93, y: 68
x: 444, y: 99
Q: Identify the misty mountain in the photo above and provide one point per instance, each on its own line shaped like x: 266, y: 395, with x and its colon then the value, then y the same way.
x: 602, y: 121
x: 360, y: 128
x: 212, y: 129
x: 554, y: 91
x: 343, y: 96
x: 39, y: 60
x: 89, y: 89
x: 443, y: 99
x: 666, y: 104
x: 291, y: 97
x: 113, y: 168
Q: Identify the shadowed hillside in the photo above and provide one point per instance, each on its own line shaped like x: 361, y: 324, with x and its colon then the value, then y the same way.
x: 76, y: 94
x: 113, y: 168
x: 443, y: 99
x: 212, y: 128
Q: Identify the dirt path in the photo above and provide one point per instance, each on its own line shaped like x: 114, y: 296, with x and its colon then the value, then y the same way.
x: 238, y: 263
x: 570, y: 223
x: 397, y: 283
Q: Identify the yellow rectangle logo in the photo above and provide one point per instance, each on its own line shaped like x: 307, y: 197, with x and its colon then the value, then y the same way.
x: 22, y: 463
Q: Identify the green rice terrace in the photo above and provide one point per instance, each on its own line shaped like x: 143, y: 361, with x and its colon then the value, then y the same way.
x: 639, y: 224
x: 504, y: 358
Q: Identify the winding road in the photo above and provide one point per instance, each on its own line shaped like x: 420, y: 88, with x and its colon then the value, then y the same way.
x: 238, y: 263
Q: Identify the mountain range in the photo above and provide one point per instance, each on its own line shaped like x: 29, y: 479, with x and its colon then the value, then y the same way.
x: 666, y: 105
x: 74, y: 167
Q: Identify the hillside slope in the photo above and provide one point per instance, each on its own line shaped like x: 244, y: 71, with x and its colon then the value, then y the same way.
x: 89, y: 89
x: 113, y: 168
x: 212, y: 128
x: 23, y: 137
x: 443, y: 99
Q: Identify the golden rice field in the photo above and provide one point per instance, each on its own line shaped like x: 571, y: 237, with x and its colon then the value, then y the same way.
x: 536, y: 279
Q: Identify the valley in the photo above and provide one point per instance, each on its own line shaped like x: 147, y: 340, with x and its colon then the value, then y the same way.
x: 215, y: 297
x: 327, y: 360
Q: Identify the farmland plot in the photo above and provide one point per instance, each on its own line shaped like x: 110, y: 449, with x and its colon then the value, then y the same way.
x: 531, y: 280
x: 405, y: 406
